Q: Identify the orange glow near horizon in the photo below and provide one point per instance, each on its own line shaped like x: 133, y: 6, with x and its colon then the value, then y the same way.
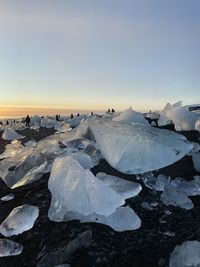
x: 22, y: 110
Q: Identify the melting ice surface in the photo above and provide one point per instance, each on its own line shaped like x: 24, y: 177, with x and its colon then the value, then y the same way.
x: 126, y: 188
x: 69, y: 180
x: 78, y: 194
x: 131, y: 116
x: 123, y: 219
x: 10, y: 134
x: 196, y: 160
x: 183, y: 119
x: 186, y: 255
x: 20, y: 219
x: 135, y: 148
x: 9, y: 248
x: 174, y: 196
x: 7, y: 197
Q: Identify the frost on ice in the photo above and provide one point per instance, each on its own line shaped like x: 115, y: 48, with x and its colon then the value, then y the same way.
x: 186, y: 255
x: 20, y: 219
x: 135, y: 148
x: 9, y: 248
x: 78, y: 194
x: 10, y: 134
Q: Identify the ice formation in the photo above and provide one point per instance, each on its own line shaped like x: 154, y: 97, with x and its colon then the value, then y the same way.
x: 78, y: 194
x: 135, y: 148
x: 123, y: 219
x: 10, y: 134
x: 12, y: 149
x: 191, y: 188
x: 184, y: 120
x: 131, y: 116
x: 126, y: 188
x: 20, y: 219
x: 9, y: 248
x: 178, y: 198
x: 7, y: 197
x: 186, y: 255
x: 27, y: 167
x: 197, y: 125
x: 156, y: 183
x: 69, y: 180
x: 10, y: 163
x: 196, y: 160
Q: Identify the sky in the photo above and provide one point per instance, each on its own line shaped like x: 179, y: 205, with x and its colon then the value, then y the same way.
x: 98, y: 54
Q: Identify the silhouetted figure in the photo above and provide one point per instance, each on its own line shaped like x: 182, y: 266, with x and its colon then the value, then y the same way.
x: 78, y: 115
x: 27, y: 121
x: 92, y: 113
x: 150, y: 119
x: 108, y: 111
x: 7, y: 122
x: 113, y: 111
x: 57, y: 117
x: 71, y: 116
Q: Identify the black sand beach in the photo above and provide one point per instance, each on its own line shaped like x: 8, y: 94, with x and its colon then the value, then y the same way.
x: 149, y: 246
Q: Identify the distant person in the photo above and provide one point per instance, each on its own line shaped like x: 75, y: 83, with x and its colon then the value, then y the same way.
x: 108, y: 111
x: 78, y: 115
x: 57, y: 117
x: 71, y: 116
x: 7, y: 122
x: 113, y: 111
x: 92, y: 113
x: 27, y: 121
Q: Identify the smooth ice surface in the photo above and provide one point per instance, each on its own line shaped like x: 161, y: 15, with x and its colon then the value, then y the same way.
x: 186, y: 255
x: 31, y: 143
x: 9, y: 248
x: 135, y: 148
x: 7, y: 197
x: 84, y: 159
x: 79, y: 190
x: 47, y: 146
x: 62, y: 127
x: 178, y: 198
x: 26, y: 167
x: 123, y: 219
x: 32, y: 175
x: 126, y: 188
x: 10, y: 134
x: 11, y: 162
x: 196, y: 161
x: 20, y: 219
x: 131, y: 116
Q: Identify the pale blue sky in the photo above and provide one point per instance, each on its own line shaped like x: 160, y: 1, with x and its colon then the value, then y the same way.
x: 99, y: 53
